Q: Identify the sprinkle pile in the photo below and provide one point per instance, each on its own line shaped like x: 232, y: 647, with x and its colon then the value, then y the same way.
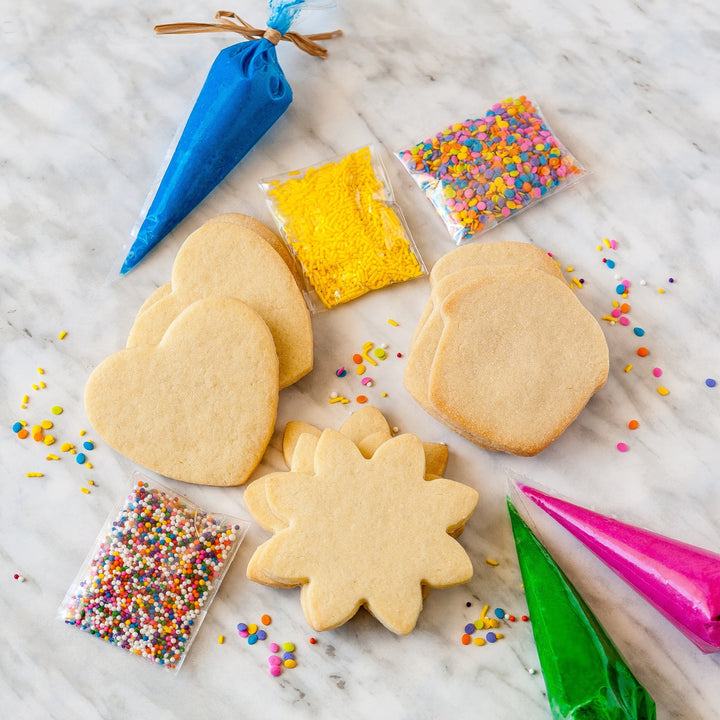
x: 41, y: 433
x: 481, y: 171
x: 276, y: 660
x: 369, y: 357
x: 340, y: 222
x: 152, y: 574
x: 489, y: 624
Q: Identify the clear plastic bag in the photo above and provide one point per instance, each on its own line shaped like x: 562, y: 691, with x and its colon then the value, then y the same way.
x: 152, y: 573
x: 481, y: 171
x: 340, y: 222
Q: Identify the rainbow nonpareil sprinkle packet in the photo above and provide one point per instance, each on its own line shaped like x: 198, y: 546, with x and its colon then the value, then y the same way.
x: 154, y: 570
x: 481, y: 171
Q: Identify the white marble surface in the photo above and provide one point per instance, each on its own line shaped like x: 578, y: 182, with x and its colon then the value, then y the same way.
x: 89, y: 101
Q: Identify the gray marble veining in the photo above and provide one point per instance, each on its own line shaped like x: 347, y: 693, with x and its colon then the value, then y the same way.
x: 89, y: 102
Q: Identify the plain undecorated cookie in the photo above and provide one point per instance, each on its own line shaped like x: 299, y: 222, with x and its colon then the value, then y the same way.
x: 365, y: 532
x: 197, y: 406
x: 228, y: 259
x: 518, y: 359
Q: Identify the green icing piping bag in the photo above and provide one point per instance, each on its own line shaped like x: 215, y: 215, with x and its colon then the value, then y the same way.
x: 585, y: 675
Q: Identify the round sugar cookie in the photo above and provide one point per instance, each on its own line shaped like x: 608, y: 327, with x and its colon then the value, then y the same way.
x: 227, y: 259
x: 518, y: 359
x: 162, y: 405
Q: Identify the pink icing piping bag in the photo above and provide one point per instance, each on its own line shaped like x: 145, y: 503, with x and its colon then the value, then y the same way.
x: 681, y: 581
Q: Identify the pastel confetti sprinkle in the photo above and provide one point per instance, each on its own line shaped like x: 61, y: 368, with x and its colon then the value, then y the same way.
x: 478, y: 172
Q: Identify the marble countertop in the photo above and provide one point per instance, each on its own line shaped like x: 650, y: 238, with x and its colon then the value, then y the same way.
x: 89, y: 101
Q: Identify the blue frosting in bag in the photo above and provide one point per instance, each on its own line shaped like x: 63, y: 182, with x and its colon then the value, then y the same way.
x: 244, y: 93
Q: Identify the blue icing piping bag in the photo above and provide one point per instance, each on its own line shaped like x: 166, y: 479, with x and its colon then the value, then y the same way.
x: 244, y: 93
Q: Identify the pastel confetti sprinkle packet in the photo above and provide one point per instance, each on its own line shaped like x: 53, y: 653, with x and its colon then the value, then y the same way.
x: 342, y: 225
x: 483, y: 170
x: 153, y: 572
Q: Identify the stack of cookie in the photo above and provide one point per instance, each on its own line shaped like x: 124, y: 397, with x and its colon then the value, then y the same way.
x: 504, y: 353
x: 194, y: 394
x: 361, y: 519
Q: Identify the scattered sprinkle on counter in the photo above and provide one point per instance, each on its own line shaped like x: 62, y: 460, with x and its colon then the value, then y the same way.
x: 489, y: 624
x: 623, y: 447
x: 62, y: 335
x: 711, y: 382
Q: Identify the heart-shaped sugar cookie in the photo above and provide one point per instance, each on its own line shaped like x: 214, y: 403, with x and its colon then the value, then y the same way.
x: 225, y: 258
x: 198, y: 406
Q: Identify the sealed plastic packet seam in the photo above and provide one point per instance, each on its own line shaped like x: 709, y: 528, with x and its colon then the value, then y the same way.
x: 153, y: 571
x: 340, y: 222
x: 481, y: 171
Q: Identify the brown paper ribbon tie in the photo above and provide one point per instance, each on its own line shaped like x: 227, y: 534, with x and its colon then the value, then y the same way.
x: 229, y: 21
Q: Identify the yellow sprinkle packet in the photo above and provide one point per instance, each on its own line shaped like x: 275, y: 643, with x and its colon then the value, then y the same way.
x: 343, y: 228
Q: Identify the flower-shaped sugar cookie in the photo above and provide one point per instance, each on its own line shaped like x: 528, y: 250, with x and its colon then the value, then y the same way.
x: 365, y: 531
